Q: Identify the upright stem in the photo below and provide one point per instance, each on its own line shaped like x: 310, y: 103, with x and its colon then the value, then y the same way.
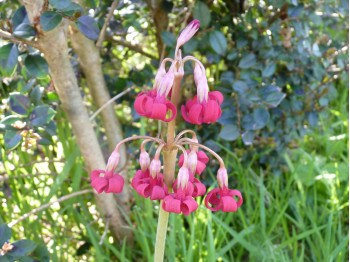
x: 169, y: 159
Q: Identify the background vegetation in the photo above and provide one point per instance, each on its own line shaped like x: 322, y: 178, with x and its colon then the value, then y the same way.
x: 283, y: 68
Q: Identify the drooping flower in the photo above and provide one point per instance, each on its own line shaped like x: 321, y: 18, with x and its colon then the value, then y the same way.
x: 148, y: 186
x: 106, y: 181
x: 196, y: 112
x: 202, y: 160
x: 194, y: 187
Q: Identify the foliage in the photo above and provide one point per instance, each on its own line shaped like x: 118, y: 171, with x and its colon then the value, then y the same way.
x: 283, y: 70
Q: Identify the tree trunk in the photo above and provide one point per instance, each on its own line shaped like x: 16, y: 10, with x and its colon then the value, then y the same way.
x: 53, y: 45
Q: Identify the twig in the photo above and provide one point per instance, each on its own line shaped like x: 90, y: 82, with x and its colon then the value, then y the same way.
x: 9, y: 37
x: 136, y: 48
x: 105, y: 231
x: 104, y: 28
x: 61, y: 199
x: 111, y: 101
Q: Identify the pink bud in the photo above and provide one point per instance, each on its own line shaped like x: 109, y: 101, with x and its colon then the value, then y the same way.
x: 222, y: 177
x: 160, y: 74
x: 201, y: 82
x: 192, y: 161
x: 144, y: 161
x: 183, y: 177
x: 188, y: 33
x: 113, y: 161
x: 155, y: 167
x: 166, y: 83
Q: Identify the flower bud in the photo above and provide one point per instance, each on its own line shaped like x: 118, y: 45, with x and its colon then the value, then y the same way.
x: 192, y: 161
x: 113, y: 161
x: 166, y: 83
x: 154, y: 167
x: 201, y: 82
x: 222, y: 177
x: 160, y: 74
x: 188, y: 33
x: 183, y: 177
x: 144, y: 161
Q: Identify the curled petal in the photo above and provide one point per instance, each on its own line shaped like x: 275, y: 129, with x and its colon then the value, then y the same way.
x: 115, y: 184
x: 158, y: 193
x: 170, y: 107
x: 140, y: 178
x: 199, y: 188
x: 170, y: 204
x: 228, y: 204
x: 99, y: 184
x: 202, y: 156
x: 200, y: 167
x: 158, y: 111
x: 238, y: 194
x: 212, y: 201
x: 188, y: 206
x: 96, y: 173
x: 217, y: 96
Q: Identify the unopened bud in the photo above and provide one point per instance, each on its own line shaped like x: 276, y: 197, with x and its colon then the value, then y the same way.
x: 160, y: 74
x: 192, y: 161
x: 222, y: 177
x: 113, y: 161
x: 182, y: 177
x: 166, y: 83
x: 201, y: 82
x: 188, y: 33
x: 144, y: 161
x: 154, y: 167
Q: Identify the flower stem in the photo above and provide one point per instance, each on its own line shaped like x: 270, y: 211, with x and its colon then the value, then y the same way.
x: 169, y: 157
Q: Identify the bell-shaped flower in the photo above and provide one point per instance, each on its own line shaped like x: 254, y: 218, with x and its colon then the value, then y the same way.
x: 187, y: 33
x: 224, y: 199
x: 202, y: 160
x: 197, y: 112
x: 155, y: 106
x: 106, y: 181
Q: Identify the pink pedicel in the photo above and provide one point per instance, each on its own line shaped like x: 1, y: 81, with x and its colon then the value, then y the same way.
x: 107, y: 182
x: 147, y: 186
x: 154, y: 106
x: 189, y: 31
x: 223, y: 199
x: 202, y: 160
x: 207, y: 112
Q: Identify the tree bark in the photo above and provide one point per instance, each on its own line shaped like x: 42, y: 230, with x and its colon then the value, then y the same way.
x: 53, y: 45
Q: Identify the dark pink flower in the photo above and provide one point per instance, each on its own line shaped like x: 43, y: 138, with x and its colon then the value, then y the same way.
x: 147, y: 186
x: 223, y: 199
x: 108, y: 182
x: 155, y: 106
x: 194, y: 187
x: 180, y: 202
x: 196, y: 112
x: 202, y: 160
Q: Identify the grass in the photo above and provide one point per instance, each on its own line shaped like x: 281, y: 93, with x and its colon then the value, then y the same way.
x: 301, y: 215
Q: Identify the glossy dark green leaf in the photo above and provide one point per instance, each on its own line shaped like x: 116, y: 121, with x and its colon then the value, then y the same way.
x: 261, y: 117
x: 9, y: 57
x: 36, y: 65
x: 269, y: 70
x: 201, y: 12
x: 19, y: 104
x: 5, y: 234
x: 12, y: 139
x: 73, y: 10
x: 232, y: 55
x: 19, y: 17
x: 50, y: 20
x: 35, y: 95
x: 218, y: 42
x: 229, y: 132
x: 248, y: 137
x: 22, y: 247
x: 88, y: 26
x: 271, y: 95
x: 227, y: 77
x: 41, y: 115
x: 24, y: 30
x: 240, y: 86
x: 247, y: 61
x: 60, y: 4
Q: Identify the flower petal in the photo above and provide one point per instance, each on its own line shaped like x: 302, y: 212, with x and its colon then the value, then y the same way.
x: 115, y: 184
x: 188, y: 206
x: 238, y: 194
x: 228, y: 204
x: 158, y: 111
x: 158, y: 193
x: 144, y: 190
x: 170, y: 106
x: 99, y: 184
x: 199, y: 188
x: 195, y: 114
x: 171, y: 205
x: 212, y: 201
x: 216, y: 95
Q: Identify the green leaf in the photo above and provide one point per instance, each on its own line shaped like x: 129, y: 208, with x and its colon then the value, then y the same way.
x: 247, y: 61
x: 22, y: 248
x: 12, y: 139
x: 261, y: 117
x: 240, y: 86
x: 41, y: 115
x: 24, y: 30
x: 168, y: 38
x: 5, y: 234
x: 248, y: 137
x: 36, y: 65
x: 60, y: 4
x: 73, y: 10
x: 269, y: 70
x: 88, y: 26
x: 35, y: 95
x: 19, y: 103
x: 229, y: 132
x: 202, y: 13
x: 271, y: 95
x: 9, y: 57
x: 218, y: 42
x: 19, y: 17
x: 49, y: 20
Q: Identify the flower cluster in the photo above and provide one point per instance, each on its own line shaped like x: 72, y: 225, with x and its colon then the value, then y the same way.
x: 180, y: 195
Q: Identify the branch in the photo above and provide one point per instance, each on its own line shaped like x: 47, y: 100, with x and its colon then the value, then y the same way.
x: 104, y: 28
x: 61, y: 199
x: 9, y: 37
x: 136, y: 48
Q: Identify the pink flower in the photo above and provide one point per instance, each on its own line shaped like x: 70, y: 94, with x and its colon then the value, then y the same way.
x: 202, y: 160
x: 188, y: 33
x: 106, y: 181
x: 155, y: 106
x: 196, y: 112
x: 194, y: 187
x: 180, y: 202
x: 223, y: 199
x: 147, y: 186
